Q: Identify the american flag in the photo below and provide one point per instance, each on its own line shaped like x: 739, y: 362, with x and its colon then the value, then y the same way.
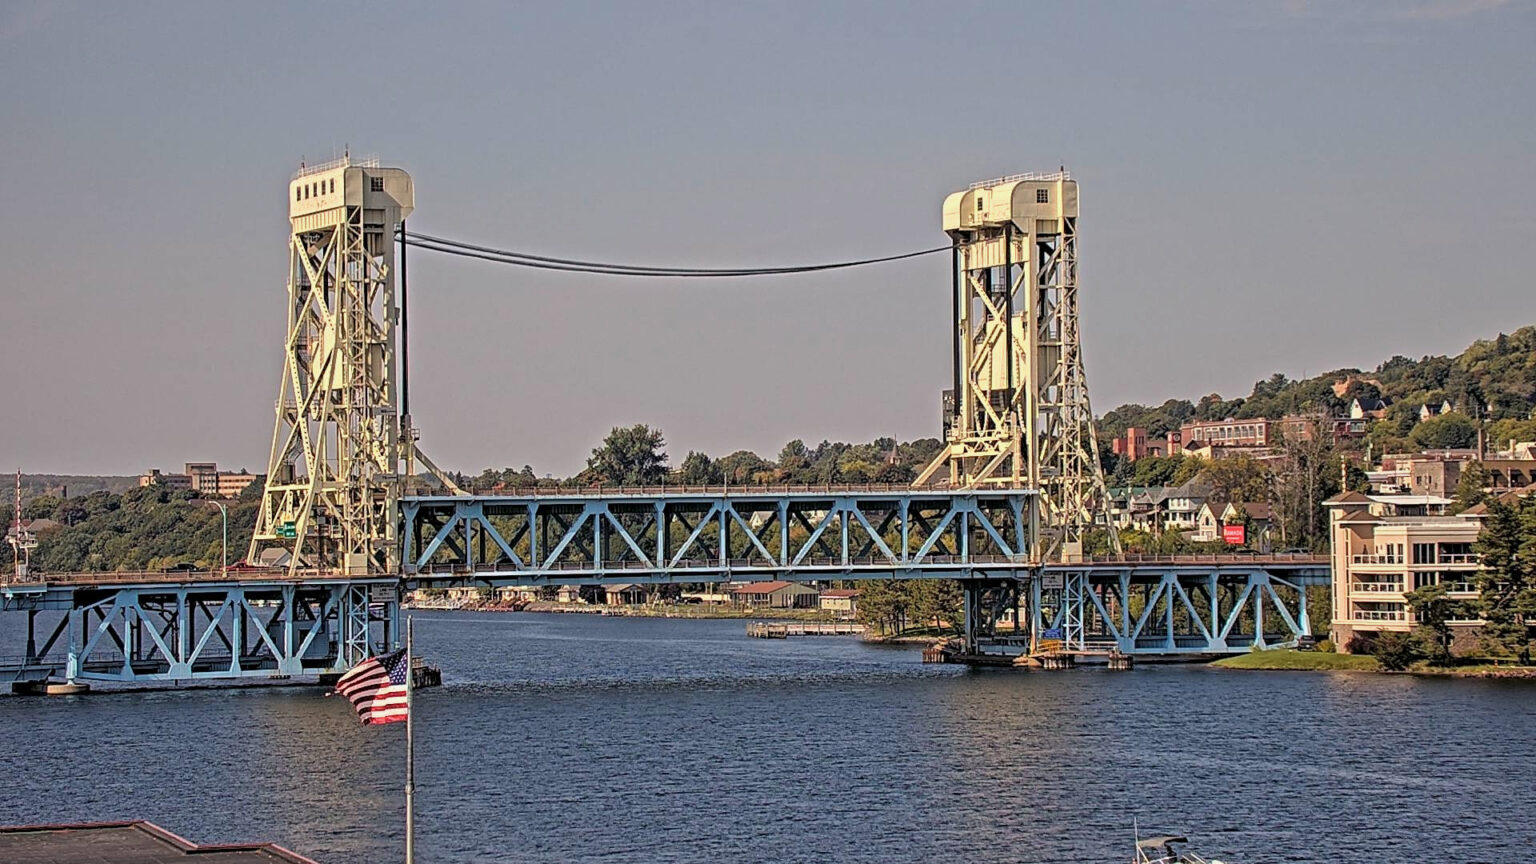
x: 376, y: 688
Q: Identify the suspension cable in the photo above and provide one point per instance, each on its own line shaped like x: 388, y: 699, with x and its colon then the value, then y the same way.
x: 570, y: 265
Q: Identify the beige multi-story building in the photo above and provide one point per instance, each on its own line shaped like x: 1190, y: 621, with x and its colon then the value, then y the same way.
x: 1250, y: 432
x: 1385, y: 546
x: 154, y: 477
x: 204, y: 478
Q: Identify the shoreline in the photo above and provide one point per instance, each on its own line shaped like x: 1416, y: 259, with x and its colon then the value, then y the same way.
x: 687, y: 611
x: 1312, y: 661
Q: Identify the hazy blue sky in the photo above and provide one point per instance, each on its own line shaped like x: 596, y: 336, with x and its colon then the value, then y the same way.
x: 1266, y: 186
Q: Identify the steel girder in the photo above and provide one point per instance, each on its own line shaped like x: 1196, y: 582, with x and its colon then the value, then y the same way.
x: 1210, y: 609
x: 664, y: 537
x: 205, y: 631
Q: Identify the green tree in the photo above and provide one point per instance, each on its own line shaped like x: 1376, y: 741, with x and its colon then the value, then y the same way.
x: 698, y: 470
x: 936, y: 602
x: 1238, y: 478
x: 1471, y: 488
x: 1446, y: 431
x: 1507, y: 582
x: 1501, y: 432
x: 794, y: 461
x: 744, y: 467
x: 629, y: 456
x: 1433, y: 606
x: 884, y: 604
x: 1396, y: 651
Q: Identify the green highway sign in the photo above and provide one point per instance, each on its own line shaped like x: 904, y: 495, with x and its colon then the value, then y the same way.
x: 287, y: 531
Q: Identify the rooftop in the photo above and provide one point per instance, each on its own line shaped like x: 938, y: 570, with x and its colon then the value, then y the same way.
x: 127, y: 843
x: 761, y: 587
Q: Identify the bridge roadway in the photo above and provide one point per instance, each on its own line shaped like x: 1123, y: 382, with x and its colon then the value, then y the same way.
x: 273, y: 622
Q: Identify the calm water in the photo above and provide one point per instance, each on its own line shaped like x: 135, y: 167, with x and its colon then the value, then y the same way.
x: 567, y: 738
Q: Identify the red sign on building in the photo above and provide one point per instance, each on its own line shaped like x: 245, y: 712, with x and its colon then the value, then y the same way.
x: 1235, y: 535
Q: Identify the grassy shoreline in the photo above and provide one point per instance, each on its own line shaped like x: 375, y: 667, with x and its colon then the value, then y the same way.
x: 1318, y: 661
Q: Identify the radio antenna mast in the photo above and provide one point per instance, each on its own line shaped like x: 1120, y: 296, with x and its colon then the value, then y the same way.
x: 21, y: 540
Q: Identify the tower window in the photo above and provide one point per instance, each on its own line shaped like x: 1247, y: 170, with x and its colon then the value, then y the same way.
x: 1042, y: 196
x: 333, y: 184
x: 978, y: 203
x: 298, y: 193
x: 376, y: 184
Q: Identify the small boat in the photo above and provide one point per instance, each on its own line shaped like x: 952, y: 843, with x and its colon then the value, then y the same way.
x: 1163, y: 850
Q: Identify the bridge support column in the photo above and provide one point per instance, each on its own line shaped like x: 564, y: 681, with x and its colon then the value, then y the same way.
x: 76, y: 644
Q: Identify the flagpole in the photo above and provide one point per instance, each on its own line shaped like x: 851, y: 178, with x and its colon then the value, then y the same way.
x: 410, y: 742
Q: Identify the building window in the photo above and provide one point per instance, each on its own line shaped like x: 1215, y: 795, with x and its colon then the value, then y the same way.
x: 376, y: 184
x: 978, y: 203
x: 333, y: 184
x: 298, y: 193
x: 1042, y: 196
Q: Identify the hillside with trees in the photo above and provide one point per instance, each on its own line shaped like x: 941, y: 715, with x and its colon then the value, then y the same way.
x: 1494, y: 379
x: 142, y: 529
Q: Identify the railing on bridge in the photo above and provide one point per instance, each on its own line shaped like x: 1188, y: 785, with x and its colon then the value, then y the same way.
x: 1292, y: 559
x: 167, y: 577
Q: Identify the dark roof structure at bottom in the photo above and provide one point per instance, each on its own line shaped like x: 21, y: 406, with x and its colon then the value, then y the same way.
x: 137, y: 842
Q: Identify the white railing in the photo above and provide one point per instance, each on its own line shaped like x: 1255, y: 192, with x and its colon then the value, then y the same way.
x: 1380, y: 615
x: 1028, y: 175
x: 1376, y: 559
x: 343, y: 162
x: 1377, y: 587
x: 1469, y: 558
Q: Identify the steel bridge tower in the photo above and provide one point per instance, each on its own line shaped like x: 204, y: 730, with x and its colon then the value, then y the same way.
x: 1018, y: 414
x: 341, y: 449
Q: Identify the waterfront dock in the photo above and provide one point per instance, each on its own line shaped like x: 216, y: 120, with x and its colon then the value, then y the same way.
x: 786, y: 629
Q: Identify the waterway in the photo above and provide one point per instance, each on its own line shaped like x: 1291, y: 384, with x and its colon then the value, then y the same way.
x: 572, y: 738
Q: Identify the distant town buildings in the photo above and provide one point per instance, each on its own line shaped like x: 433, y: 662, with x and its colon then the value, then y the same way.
x: 204, y: 478
x: 777, y: 595
x: 1212, y: 439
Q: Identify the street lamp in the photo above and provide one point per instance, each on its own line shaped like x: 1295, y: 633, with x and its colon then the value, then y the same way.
x: 224, y: 546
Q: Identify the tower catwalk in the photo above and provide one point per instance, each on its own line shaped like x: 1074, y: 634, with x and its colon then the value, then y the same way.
x: 1018, y: 412
x: 340, y: 449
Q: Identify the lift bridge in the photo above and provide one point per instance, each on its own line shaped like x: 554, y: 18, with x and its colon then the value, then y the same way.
x: 1004, y: 509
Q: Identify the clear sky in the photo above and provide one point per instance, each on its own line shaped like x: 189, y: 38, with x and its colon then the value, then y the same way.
x: 1266, y: 186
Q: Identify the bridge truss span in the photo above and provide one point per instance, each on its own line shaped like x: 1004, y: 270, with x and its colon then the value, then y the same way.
x: 198, y: 626
x: 553, y: 537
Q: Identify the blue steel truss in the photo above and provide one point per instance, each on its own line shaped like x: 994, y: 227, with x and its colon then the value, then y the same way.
x: 204, y: 628
x: 1176, y: 608
x: 682, y: 535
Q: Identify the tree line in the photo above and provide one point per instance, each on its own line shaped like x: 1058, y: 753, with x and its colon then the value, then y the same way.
x: 637, y: 456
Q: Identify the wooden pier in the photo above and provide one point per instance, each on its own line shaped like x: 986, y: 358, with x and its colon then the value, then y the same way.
x: 1053, y: 659
x: 786, y: 629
